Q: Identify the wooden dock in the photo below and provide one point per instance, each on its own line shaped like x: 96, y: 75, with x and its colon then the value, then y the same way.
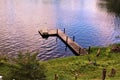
x: 76, y: 49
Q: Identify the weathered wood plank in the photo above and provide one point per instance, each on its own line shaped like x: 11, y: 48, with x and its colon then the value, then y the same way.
x: 77, y: 50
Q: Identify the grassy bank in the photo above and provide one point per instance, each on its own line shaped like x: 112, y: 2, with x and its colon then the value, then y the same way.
x: 88, y: 67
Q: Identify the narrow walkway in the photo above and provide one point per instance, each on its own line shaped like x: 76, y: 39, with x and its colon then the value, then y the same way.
x: 77, y: 50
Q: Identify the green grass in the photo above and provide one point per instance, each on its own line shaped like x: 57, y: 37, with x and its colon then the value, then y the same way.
x: 66, y: 68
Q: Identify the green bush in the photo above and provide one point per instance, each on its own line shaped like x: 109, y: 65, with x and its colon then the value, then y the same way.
x: 26, y: 67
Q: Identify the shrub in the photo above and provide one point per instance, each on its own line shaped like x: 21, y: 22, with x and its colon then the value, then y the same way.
x: 26, y: 67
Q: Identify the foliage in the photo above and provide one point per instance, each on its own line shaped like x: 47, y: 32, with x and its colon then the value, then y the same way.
x: 26, y: 67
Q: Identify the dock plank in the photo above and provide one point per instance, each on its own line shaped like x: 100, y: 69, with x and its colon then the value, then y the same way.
x: 77, y: 50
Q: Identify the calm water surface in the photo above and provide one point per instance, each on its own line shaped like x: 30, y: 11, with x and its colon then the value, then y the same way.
x: 20, y: 21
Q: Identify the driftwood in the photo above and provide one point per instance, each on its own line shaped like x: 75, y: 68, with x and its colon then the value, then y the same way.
x: 98, y: 53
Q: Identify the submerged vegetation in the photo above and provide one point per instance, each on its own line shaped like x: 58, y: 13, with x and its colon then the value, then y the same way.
x: 88, y: 67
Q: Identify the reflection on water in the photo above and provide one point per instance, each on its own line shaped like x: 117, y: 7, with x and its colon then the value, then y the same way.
x: 20, y: 21
x: 112, y: 6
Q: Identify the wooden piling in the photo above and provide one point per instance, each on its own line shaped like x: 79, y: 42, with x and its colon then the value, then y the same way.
x: 57, y: 31
x: 79, y: 50
x: 66, y: 39
x: 64, y: 30
x: 56, y: 77
x: 112, y: 73
x: 89, y: 49
x: 98, y: 52
x: 103, y: 74
x: 66, y: 48
x: 56, y: 39
x: 73, y: 38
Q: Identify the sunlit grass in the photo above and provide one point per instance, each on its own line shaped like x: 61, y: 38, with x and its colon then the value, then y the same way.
x: 67, y: 68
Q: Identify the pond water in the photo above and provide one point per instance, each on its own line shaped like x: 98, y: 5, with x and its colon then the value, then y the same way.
x: 20, y: 21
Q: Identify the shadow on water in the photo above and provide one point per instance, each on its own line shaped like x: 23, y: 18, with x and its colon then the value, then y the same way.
x: 112, y: 6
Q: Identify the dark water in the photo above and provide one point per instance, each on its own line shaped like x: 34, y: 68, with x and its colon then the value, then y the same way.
x: 20, y: 21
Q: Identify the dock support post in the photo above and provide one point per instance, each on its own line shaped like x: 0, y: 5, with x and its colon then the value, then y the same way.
x: 73, y: 38
x: 79, y: 50
x: 57, y: 31
x: 66, y: 48
x: 103, y: 74
x: 66, y: 39
x: 56, y: 77
x: 56, y: 39
x: 64, y: 30
x: 89, y: 49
